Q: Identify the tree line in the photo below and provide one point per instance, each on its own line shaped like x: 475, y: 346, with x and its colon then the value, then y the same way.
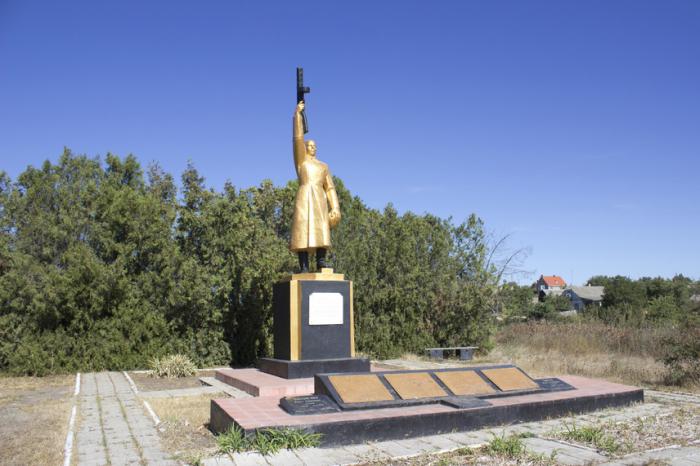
x: 105, y: 265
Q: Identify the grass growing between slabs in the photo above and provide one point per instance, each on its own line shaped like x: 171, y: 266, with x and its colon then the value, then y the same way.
x: 678, y: 427
x: 591, y: 435
x: 513, y: 448
x: 501, y: 450
x: 266, y: 441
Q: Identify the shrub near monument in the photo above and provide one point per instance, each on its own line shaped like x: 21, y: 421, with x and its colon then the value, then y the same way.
x: 103, y: 267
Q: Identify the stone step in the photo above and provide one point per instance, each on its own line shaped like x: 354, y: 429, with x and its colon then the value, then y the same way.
x: 224, y: 387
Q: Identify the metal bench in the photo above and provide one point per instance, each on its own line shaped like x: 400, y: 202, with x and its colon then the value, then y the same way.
x: 465, y: 352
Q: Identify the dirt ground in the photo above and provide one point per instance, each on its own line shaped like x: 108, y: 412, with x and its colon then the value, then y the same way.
x: 34, y: 413
x: 184, y: 426
x: 145, y: 382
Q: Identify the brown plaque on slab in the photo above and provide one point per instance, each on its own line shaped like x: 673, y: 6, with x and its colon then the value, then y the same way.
x: 415, y: 385
x: 465, y: 383
x: 509, y: 378
x: 361, y: 388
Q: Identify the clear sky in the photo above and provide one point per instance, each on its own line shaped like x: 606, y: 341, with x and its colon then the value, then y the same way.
x: 575, y: 126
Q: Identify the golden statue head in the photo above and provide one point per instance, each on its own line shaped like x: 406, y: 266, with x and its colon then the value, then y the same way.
x: 311, y: 148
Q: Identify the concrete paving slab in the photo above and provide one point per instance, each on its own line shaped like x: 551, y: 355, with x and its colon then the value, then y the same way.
x: 283, y: 458
x: 249, y: 459
x: 563, y: 453
x: 440, y: 443
x: 327, y: 456
x: 218, y: 461
x: 675, y: 456
x: 402, y: 448
x: 366, y: 452
x: 470, y: 439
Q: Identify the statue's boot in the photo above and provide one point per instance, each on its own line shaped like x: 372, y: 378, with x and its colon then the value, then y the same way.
x: 321, y: 259
x: 304, y: 261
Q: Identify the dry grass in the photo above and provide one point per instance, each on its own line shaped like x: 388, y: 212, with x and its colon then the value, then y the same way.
x: 35, y: 413
x: 185, y: 421
x: 592, y: 349
x: 586, y: 337
x: 634, y: 370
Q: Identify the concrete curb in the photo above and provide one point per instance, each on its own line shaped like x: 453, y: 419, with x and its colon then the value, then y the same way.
x: 68, y: 446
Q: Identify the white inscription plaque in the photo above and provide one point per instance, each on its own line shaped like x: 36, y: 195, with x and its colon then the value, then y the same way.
x: 326, y: 309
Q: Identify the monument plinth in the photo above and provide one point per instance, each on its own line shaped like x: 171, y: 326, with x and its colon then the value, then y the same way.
x: 313, y: 329
x: 315, y: 383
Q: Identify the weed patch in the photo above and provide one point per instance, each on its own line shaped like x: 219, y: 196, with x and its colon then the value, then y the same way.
x: 513, y: 448
x: 266, y: 441
x: 591, y: 435
x: 232, y: 441
x: 509, y: 447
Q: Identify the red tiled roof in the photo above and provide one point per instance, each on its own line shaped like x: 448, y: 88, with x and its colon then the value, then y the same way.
x: 553, y: 280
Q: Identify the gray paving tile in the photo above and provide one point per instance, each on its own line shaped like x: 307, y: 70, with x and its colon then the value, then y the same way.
x: 249, y: 459
x: 470, y: 439
x: 401, y: 448
x: 218, y: 461
x: 283, y: 458
x: 327, y: 456
x: 562, y: 453
x: 675, y: 456
x: 92, y: 462
x: 92, y: 458
x: 440, y: 443
x: 366, y: 452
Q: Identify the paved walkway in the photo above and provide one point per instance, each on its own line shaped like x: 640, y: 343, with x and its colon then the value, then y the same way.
x: 113, y: 426
x: 564, y: 452
x: 114, y: 429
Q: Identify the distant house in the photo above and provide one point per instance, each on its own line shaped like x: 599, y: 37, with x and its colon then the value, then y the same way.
x: 582, y: 296
x: 549, y: 285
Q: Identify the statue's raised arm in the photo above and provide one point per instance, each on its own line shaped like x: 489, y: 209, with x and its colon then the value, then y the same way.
x: 299, y: 145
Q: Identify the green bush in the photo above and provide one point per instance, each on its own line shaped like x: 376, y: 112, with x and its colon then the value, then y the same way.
x: 172, y: 366
x: 682, y: 358
x: 104, y: 267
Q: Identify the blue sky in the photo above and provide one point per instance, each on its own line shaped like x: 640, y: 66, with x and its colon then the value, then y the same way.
x: 574, y: 126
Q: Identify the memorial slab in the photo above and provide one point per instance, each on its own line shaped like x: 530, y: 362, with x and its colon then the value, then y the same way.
x: 510, y: 378
x: 360, y: 388
x: 465, y: 382
x: 415, y: 385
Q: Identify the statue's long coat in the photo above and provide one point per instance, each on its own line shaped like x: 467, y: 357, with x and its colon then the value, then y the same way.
x: 310, y: 225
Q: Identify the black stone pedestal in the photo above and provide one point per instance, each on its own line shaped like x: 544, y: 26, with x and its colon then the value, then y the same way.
x: 313, y: 331
x: 309, y: 367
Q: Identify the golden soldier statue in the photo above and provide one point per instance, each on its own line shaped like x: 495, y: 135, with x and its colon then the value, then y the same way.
x: 316, y: 208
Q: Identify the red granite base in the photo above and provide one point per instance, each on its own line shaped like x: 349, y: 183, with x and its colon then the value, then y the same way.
x: 355, y: 426
x: 260, y: 384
